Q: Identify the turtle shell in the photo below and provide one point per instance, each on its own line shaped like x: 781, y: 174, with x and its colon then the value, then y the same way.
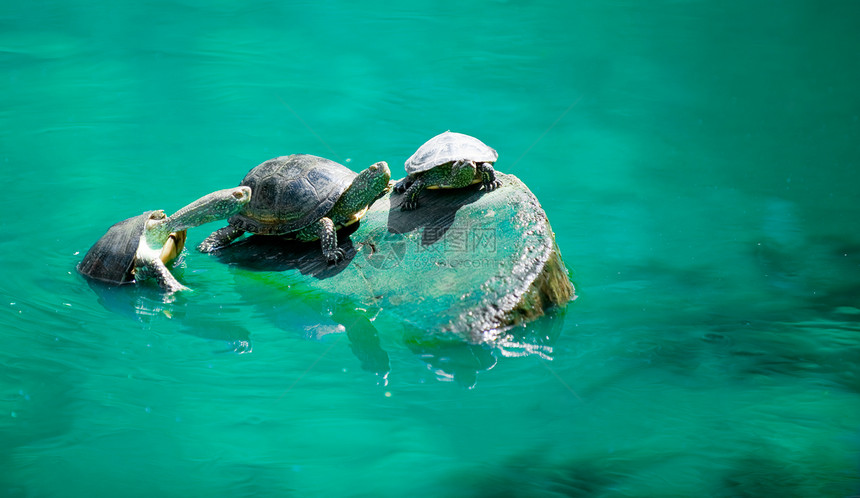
x: 291, y: 192
x: 111, y: 258
x: 449, y: 147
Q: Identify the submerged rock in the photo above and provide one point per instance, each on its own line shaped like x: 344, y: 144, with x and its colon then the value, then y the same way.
x: 468, y: 262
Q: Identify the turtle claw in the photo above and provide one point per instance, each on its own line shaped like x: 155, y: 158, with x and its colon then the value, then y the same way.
x: 179, y: 288
x: 334, y: 256
x: 207, y: 247
x: 409, y: 206
x: 493, y: 185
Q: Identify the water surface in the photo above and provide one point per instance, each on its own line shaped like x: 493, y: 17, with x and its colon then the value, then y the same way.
x: 697, y: 161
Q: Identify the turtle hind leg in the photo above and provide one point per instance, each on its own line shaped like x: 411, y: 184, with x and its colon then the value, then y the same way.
x: 220, y: 238
x: 403, y: 184
x: 488, y: 177
x: 325, y: 232
x: 411, y: 200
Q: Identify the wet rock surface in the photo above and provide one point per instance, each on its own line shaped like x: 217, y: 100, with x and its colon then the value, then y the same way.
x: 466, y: 262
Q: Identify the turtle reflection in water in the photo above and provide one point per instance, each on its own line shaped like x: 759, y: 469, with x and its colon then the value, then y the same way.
x: 448, y: 160
x: 305, y: 196
x: 139, y: 248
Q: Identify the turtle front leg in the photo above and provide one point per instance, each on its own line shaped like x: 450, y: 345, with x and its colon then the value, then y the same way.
x: 411, y: 201
x: 488, y: 177
x: 157, y: 270
x: 324, y: 230
x: 403, y: 184
x: 220, y: 238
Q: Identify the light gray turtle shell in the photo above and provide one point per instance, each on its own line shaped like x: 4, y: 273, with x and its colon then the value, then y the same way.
x: 449, y: 147
x: 290, y: 193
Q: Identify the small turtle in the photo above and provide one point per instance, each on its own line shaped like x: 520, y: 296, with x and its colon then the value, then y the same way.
x: 306, y: 196
x: 139, y: 247
x: 448, y: 160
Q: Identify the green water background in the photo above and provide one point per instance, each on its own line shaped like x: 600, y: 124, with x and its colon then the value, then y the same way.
x: 698, y: 162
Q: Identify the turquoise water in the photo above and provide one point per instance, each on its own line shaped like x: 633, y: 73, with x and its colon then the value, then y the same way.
x: 697, y: 160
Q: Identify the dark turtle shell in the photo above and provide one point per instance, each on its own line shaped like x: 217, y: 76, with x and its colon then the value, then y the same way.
x: 449, y: 147
x: 111, y: 258
x: 291, y: 192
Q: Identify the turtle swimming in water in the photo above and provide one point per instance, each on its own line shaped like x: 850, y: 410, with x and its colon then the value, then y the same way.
x: 448, y: 160
x: 140, y: 247
x: 305, y: 196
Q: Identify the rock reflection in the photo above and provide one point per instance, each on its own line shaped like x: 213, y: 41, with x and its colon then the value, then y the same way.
x: 461, y: 362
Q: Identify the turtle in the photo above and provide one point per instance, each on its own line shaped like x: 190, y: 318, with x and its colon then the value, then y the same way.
x: 448, y: 160
x: 139, y: 247
x: 305, y: 197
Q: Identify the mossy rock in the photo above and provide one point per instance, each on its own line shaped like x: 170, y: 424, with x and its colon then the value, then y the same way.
x: 466, y: 262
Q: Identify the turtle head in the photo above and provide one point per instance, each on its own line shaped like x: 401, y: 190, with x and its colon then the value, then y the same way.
x: 366, y: 187
x: 373, y: 181
x: 215, y: 206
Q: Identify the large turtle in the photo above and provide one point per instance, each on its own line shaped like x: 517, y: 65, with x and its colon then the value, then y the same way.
x: 448, y: 160
x: 306, y: 196
x: 140, y: 247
